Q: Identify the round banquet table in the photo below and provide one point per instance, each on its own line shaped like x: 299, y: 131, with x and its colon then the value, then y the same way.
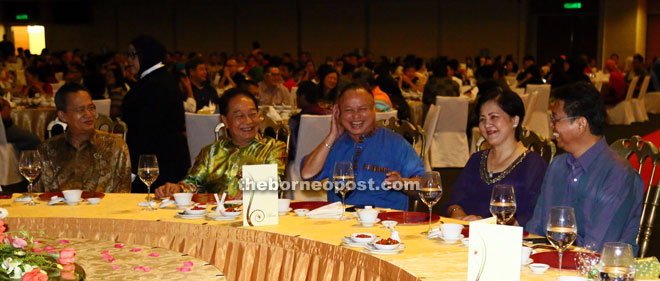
x: 297, y: 248
x: 34, y: 120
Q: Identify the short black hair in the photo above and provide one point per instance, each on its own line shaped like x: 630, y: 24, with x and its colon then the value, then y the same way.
x: 223, y: 102
x: 192, y: 64
x: 581, y: 99
x: 310, y: 91
x: 62, y: 95
x: 508, y: 101
x: 638, y: 58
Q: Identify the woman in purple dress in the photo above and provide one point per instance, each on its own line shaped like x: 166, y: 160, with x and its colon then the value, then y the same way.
x: 506, y: 162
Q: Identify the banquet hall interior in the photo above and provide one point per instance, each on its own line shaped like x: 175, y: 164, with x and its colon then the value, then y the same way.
x: 431, y: 69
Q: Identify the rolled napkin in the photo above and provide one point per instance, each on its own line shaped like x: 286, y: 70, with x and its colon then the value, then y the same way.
x: 272, y: 113
x: 330, y: 211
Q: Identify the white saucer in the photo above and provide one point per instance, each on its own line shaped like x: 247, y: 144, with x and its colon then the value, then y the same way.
x: 54, y: 200
x: 368, y: 224
x: 529, y: 261
x: 346, y: 241
x: 373, y: 250
x: 284, y: 213
x: 72, y: 203
x: 219, y: 217
x: 451, y: 241
x: 188, y: 217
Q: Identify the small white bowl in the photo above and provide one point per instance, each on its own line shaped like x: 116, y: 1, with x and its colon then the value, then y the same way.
x: 368, y: 223
x: 230, y: 214
x: 466, y: 242
x: 190, y: 211
x: 385, y: 247
x: 72, y: 203
x: 389, y: 223
x: 93, y: 201
x: 538, y: 268
x: 301, y: 212
x: 356, y: 239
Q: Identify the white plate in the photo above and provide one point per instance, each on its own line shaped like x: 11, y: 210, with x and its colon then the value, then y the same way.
x: 219, y: 217
x: 188, y: 217
x: 348, y: 242
x: 451, y: 241
x: 373, y: 250
x: 368, y: 224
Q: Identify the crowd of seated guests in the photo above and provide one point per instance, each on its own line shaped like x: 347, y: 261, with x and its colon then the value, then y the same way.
x: 150, y: 89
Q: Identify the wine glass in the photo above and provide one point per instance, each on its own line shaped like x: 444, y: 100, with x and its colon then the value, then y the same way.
x: 30, y: 168
x: 148, y: 173
x: 617, y: 262
x: 561, y: 229
x: 503, y: 203
x: 343, y: 179
x: 430, y: 192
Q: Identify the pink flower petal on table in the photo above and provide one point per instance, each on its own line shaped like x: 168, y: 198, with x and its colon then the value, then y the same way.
x: 63, y: 241
x: 138, y: 268
x: 119, y: 245
x: 37, y: 242
x: 115, y: 267
x: 183, y: 269
x: 48, y: 248
x: 105, y: 252
x: 35, y: 250
x: 146, y: 269
x: 111, y: 260
x: 106, y: 257
x: 188, y: 264
x: 155, y: 255
x: 52, y: 252
x: 136, y: 250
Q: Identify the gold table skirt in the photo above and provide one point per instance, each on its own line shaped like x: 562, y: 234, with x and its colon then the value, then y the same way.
x: 297, y: 248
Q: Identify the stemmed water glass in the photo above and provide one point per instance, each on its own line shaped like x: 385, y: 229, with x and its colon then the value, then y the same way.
x: 430, y: 192
x: 30, y: 168
x: 503, y: 203
x: 343, y: 180
x: 561, y: 229
x: 148, y: 173
x: 617, y: 262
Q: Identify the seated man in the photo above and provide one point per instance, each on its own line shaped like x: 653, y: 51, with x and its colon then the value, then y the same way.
x: 82, y: 157
x: 218, y: 165
x: 21, y: 139
x: 202, y: 90
x: 271, y: 89
x: 604, y: 190
x: 380, y: 157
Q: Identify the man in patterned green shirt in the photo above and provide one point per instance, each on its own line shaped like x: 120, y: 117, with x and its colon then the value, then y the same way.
x: 218, y: 165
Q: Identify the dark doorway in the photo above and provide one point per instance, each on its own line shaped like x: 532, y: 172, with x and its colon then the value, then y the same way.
x: 570, y: 35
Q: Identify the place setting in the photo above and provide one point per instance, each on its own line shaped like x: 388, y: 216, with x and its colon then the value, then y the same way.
x: 386, y: 246
x: 225, y: 210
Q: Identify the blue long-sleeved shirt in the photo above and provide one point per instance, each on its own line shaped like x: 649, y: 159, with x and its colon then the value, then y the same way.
x: 605, y: 191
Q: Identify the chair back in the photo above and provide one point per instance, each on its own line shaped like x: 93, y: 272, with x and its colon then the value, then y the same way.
x: 412, y: 133
x: 102, y: 107
x: 532, y: 141
x: 538, y: 118
x: 52, y: 124
x: 430, y: 123
x: 644, y: 88
x: 219, y: 131
x: 105, y: 123
x: 449, y: 144
x: 643, y: 150
x: 631, y: 88
x: 275, y: 129
x: 9, y: 168
x: 529, y: 107
x: 519, y: 91
x: 200, y: 132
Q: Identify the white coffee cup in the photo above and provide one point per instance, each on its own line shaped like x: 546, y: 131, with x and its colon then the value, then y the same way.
x: 451, y: 230
x: 526, y: 252
x: 368, y: 214
x: 72, y: 195
x: 183, y: 199
x: 283, y: 205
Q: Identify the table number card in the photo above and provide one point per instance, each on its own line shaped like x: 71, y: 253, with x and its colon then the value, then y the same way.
x: 495, y: 251
x: 260, y: 184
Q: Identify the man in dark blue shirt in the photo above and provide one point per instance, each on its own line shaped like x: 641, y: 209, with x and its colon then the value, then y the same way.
x: 203, y: 92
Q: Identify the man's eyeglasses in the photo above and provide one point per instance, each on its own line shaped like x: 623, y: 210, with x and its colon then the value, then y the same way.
x: 554, y: 121
x: 81, y: 109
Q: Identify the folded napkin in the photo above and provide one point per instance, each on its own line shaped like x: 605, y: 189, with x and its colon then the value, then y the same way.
x: 330, y: 211
x: 144, y: 204
x: 272, y: 113
x: 23, y: 199
x: 435, y: 233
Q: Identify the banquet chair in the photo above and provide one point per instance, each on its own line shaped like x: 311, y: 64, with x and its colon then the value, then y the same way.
x: 449, y: 144
x: 652, y: 102
x: 102, y: 107
x: 643, y: 150
x: 622, y: 112
x: 519, y: 91
x: 638, y: 107
x: 532, y: 141
x: 538, y: 118
x: 430, y: 123
x: 412, y: 133
x: 52, y: 124
x: 9, y: 168
x: 105, y: 123
x: 276, y: 129
x: 219, y: 131
x: 529, y: 106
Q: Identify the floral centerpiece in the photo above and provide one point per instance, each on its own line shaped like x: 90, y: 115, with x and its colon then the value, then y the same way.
x: 21, y: 258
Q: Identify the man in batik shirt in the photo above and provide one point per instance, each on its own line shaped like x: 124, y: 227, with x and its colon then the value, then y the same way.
x: 82, y: 157
x: 218, y: 166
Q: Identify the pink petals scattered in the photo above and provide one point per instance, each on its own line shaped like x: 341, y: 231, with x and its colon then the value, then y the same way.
x: 115, y: 267
x: 119, y: 245
x: 187, y: 267
x: 145, y: 269
x: 63, y: 241
x: 35, y: 250
x: 50, y: 250
x: 155, y: 255
x: 106, y: 252
x: 106, y: 256
x: 135, y: 250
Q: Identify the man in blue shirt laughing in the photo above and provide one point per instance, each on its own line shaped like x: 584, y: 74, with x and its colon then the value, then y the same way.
x: 603, y: 188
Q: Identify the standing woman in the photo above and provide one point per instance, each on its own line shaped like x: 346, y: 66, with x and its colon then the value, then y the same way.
x: 153, y: 112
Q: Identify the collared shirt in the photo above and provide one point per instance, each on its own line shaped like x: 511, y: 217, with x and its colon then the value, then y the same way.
x: 384, y: 150
x: 151, y: 69
x: 218, y: 165
x: 100, y: 164
x: 272, y: 95
x: 603, y: 189
x: 204, y: 95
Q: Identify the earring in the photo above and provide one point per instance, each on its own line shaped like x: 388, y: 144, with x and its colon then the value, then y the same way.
x: 515, y: 125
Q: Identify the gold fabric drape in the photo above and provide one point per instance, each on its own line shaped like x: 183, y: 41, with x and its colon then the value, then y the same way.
x: 34, y: 120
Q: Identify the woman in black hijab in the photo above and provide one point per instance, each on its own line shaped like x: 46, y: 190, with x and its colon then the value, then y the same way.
x: 153, y: 111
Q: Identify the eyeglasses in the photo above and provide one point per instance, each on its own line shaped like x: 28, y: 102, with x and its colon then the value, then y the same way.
x: 554, y: 121
x: 81, y: 109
